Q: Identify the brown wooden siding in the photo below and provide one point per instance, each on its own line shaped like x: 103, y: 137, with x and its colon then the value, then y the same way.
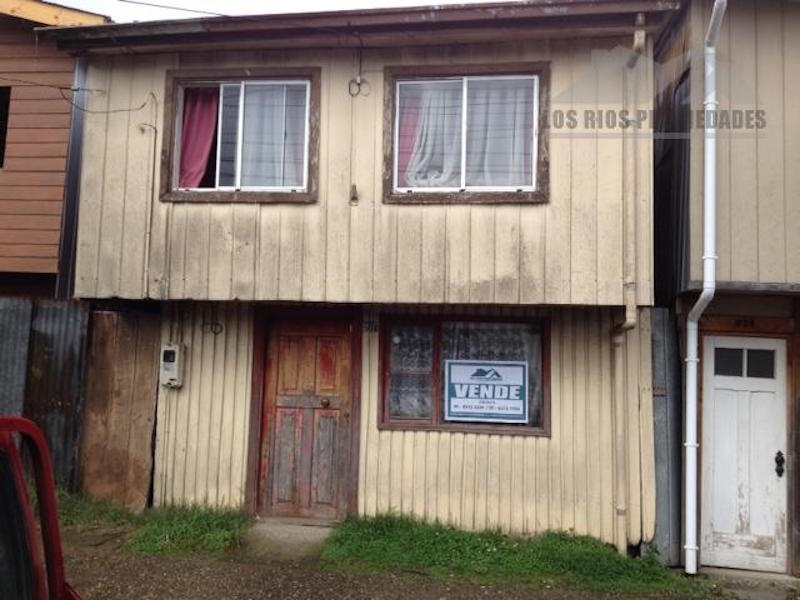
x: 32, y: 176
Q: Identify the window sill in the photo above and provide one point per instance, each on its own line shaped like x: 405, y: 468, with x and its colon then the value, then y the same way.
x: 476, y: 428
x: 240, y: 197
x: 538, y: 197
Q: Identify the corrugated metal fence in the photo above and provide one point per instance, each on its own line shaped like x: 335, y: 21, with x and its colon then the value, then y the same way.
x: 42, y: 352
x: 15, y: 331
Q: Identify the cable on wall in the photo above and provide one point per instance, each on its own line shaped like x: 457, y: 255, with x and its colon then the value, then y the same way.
x: 150, y: 96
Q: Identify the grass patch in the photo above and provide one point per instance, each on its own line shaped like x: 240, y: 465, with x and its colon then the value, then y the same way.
x: 391, y: 543
x: 173, y: 531
x: 187, y: 531
x: 81, y: 512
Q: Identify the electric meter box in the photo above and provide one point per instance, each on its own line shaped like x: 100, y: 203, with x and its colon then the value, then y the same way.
x: 171, y: 374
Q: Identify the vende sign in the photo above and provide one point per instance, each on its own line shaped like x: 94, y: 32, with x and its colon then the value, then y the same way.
x: 494, y: 391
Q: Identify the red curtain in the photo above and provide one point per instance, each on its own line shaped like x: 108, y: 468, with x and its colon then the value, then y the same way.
x: 200, y: 106
x: 409, y: 122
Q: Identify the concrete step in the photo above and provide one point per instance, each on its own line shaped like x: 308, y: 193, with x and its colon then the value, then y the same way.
x: 285, y: 539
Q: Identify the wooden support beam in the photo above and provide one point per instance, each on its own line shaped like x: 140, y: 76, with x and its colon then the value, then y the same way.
x: 49, y: 14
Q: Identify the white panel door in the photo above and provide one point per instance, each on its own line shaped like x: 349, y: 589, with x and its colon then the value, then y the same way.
x: 743, y: 511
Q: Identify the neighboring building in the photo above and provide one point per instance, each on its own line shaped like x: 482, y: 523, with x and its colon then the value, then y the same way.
x: 749, y: 372
x: 394, y: 275
x: 36, y: 114
x: 41, y: 339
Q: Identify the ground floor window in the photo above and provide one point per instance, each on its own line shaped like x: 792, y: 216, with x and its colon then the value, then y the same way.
x: 465, y: 375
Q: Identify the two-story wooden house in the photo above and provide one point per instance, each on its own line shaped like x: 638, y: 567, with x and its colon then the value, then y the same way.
x: 728, y: 222
x: 404, y: 257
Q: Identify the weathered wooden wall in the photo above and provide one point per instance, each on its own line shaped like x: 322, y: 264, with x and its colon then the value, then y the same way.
x: 120, y: 408
x: 668, y: 434
x: 202, y: 428
x: 569, y: 250
x: 758, y: 173
x: 32, y: 177
x: 527, y: 484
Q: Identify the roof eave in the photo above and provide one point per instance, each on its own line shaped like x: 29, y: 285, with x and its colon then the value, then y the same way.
x: 370, y: 28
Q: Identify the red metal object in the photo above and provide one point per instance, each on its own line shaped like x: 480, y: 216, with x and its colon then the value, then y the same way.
x: 54, y: 587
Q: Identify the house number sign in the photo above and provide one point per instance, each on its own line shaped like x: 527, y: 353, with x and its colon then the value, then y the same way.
x: 489, y: 391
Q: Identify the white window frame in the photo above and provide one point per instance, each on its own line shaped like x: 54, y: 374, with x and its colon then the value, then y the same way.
x: 238, y: 187
x: 464, y: 187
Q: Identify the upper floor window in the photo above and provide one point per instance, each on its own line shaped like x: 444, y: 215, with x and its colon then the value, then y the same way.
x: 245, y: 135
x: 245, y: 139
x: 467, y: 137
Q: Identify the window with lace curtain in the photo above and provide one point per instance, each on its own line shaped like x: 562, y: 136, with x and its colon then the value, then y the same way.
x: 473, y: 136
x: 416, y: 352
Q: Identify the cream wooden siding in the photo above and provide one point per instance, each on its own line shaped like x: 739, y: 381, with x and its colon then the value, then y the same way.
x: 568, y: 251
x: 527, y: 484
x: 758, y: 174
x: 202, y: 427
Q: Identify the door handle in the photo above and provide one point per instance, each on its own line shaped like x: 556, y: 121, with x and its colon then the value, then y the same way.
x: 780, y: 460
x: 325, y: 403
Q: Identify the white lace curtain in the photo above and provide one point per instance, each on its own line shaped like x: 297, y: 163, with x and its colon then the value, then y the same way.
x: 500, y: 117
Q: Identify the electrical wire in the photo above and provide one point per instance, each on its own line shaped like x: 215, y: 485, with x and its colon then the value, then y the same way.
x: 150, y: 96
x: 67, y: 88
x: 63, y: 91
x: 354, y: 85
x: 179, y: 8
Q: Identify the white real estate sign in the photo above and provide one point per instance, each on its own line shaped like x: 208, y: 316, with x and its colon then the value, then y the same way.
x: 491, y: 391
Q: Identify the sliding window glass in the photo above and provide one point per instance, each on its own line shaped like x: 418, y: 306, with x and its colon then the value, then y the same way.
x: 245, y: 135
x: 462, y: 134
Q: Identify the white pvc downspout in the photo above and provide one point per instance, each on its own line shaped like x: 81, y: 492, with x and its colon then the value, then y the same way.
x: 709, y: 281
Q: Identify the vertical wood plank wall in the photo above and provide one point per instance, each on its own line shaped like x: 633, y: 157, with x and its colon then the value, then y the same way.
x: 116, y: 460
x: 202, y: 428
x: 527, y: 484
x: 516, y: 484
x: 758, y: 174
x: 567, y: 251
x: 32, y: 175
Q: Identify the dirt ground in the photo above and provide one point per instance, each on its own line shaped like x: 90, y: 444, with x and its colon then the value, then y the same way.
x: 98, y: 568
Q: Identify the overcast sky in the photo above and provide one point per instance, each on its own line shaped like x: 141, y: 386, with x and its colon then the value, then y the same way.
x: 123, y: 12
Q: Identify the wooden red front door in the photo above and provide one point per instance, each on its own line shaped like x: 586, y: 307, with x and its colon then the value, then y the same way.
x: 308, y: 407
